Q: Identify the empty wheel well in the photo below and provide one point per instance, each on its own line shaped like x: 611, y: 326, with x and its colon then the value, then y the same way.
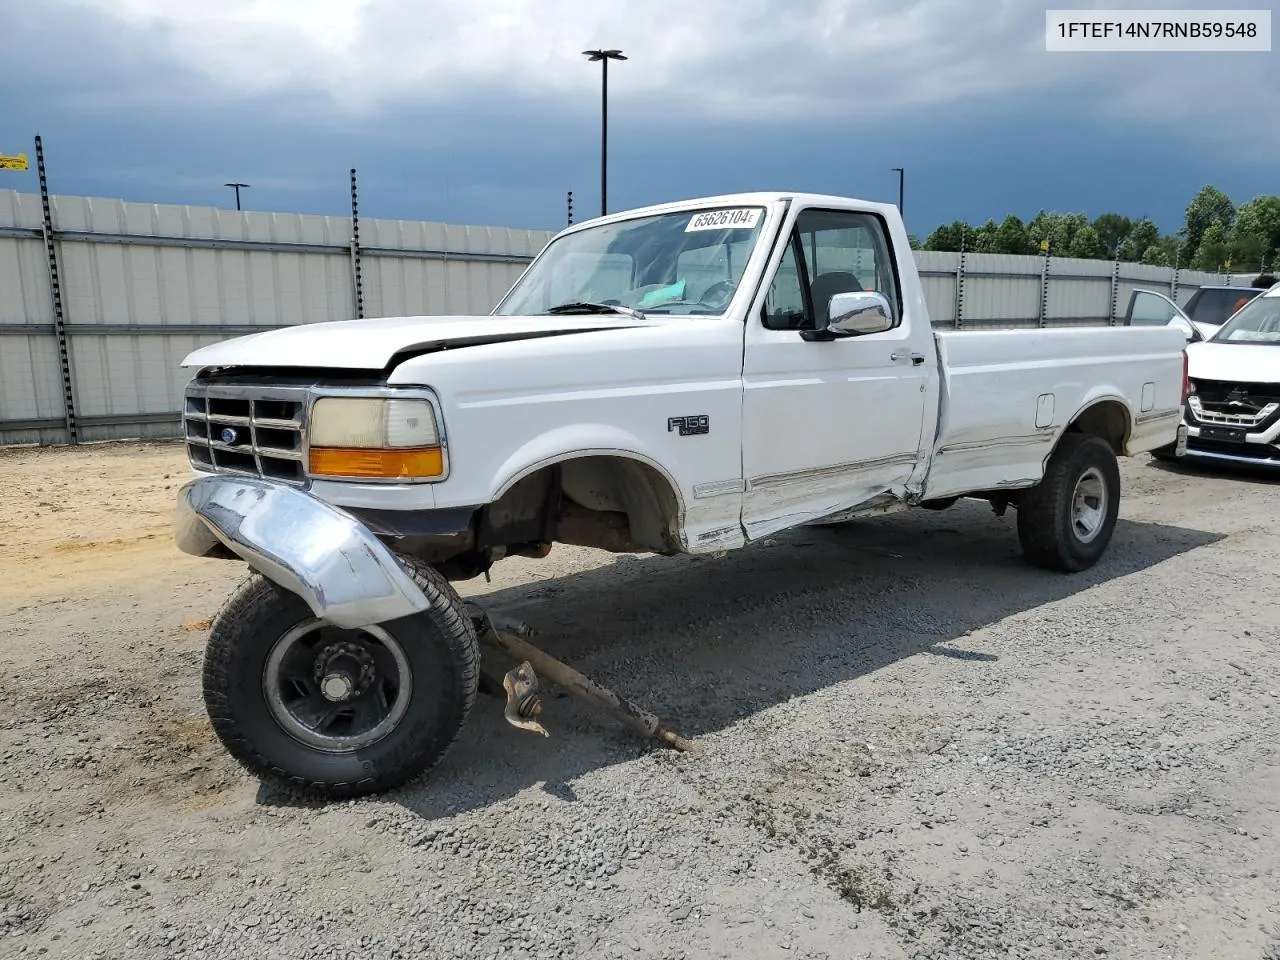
x: 610, y: 502
x: 623, y: 485
x: 1107, y: 419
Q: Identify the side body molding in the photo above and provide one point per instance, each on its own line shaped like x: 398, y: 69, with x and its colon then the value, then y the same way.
x: 346, y: 575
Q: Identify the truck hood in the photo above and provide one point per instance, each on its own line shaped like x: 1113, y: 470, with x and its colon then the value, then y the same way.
x: 1236, y: 362
x: 371, y: 344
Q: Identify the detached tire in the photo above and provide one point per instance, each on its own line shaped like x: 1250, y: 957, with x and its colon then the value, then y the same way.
x: 334, y: 714
x: 1065, y: 522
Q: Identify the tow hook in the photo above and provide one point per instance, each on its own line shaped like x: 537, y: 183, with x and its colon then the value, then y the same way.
x: 523, y: 702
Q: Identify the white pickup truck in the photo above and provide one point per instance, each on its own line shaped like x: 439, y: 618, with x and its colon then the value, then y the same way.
x: 684, y: 378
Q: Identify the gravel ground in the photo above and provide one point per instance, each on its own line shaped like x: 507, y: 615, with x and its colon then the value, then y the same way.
x: 915, y: 746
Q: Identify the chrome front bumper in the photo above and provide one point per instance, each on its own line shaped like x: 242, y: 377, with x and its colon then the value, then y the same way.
x: 328, y: 558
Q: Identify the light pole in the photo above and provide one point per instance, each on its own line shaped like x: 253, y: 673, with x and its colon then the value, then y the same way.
x: 236, y: 187
x: 604, y: 56
x: 901, y: 173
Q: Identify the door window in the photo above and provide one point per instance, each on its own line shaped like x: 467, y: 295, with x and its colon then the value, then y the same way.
x: 1151, y: 310
x: 784, y: 304
x: 831, y: 251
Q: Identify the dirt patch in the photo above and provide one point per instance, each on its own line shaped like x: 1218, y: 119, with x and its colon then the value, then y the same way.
x: 92, y: 516
x: 185, y: 763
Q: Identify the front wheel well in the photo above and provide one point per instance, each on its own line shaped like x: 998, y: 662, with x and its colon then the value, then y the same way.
x: 605, y: 485
x: 1108, y: 419
x: 608, y: 502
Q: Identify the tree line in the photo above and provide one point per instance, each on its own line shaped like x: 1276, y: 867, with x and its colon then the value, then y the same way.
x: 1216, y: 235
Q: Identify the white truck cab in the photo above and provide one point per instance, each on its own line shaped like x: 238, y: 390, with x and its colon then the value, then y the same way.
x: 684, y: 378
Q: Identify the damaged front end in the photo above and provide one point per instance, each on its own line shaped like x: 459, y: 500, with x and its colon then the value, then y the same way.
x: 352, y: 580
x: 346, y: 575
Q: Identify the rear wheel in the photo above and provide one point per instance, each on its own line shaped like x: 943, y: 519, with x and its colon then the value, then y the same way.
x: 334, y: 713
x: 1066, y: 521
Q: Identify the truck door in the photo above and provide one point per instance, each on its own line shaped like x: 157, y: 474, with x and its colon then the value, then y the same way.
x: 830, y: 424
x: 1150, y: 309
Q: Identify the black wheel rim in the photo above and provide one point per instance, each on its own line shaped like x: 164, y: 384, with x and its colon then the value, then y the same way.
x: 337, y: 690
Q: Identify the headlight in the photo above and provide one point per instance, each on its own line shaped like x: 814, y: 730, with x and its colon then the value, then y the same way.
x: 375, y: 438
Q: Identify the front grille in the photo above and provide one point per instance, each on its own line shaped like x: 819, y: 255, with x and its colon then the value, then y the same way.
x: 246, y: 430
x: 1254, y: 406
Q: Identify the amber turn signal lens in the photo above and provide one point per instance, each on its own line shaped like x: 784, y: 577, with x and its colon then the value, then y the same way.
x: 376, y: 464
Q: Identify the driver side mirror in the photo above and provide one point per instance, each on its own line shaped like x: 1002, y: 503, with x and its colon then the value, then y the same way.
x: 854, y: 313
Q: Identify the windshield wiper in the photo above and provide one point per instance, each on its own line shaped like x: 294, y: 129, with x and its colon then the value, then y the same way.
x: 584, y: 306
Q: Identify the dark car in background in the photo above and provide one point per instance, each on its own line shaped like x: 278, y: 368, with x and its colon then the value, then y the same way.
x: 1209, y: 307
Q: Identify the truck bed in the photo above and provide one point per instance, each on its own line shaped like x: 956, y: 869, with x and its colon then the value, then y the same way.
x: 1007, y: 395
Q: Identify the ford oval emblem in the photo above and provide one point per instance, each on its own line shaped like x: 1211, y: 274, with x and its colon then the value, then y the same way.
x: 228, y: 435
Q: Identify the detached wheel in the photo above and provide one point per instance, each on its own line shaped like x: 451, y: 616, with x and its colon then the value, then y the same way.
x: 331, y: 713
x: 1066, y: 521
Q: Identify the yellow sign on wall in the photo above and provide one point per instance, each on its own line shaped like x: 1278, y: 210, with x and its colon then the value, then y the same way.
x: 14, y: 163
x: 1044, y: 246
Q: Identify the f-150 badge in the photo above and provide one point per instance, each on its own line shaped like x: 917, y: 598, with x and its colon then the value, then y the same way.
x: 690, y: 426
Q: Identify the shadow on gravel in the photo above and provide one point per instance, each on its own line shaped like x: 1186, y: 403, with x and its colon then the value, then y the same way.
x: 705, y: 642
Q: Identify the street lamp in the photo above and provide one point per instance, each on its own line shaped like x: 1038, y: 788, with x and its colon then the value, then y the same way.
x: 900, y: 172
x: 604, y: 56
x: 236, y: 187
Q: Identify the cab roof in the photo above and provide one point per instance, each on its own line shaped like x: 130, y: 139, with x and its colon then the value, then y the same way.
x: 756, y: 199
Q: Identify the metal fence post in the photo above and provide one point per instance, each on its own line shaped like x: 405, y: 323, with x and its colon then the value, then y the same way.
x: 959, y: 320
x: 570, y: 202
x: 357, y: 280
x: 1173, y: 286
x: 1115, y: 292
x: 55, y: 293
x: 1044, y: 291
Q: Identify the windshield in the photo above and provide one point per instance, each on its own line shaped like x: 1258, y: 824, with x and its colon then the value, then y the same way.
x: 687, y: 263
x: 1214, y: 306
x: 1257, y: 322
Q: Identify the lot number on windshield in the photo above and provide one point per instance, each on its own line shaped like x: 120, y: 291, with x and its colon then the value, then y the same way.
x: 744, y: 218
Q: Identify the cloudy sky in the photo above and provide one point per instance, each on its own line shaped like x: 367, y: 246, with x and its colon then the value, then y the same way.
x: 485, y: 111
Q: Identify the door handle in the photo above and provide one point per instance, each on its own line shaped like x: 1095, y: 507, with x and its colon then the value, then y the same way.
x: 915, y: 358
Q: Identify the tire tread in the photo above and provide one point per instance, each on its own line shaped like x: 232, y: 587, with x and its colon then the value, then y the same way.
x: 421, y: 749
x: 1042, y: 530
